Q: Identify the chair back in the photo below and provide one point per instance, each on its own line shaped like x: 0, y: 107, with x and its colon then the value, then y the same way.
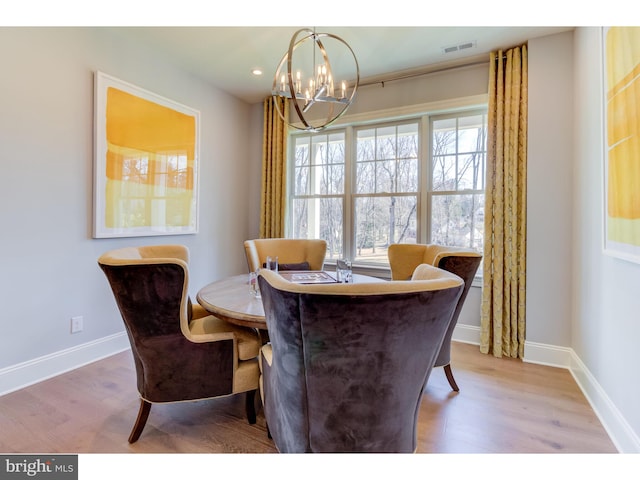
x: 348, y: 361
x: 150, y: 286
x: 464, y: 262
x: 292, y: 253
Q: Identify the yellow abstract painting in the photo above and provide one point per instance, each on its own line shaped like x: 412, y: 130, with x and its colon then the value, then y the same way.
x: 146, y: 162
x: 622, y: 141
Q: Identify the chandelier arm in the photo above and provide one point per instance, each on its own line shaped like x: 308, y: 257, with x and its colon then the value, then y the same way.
x: 293, y: 44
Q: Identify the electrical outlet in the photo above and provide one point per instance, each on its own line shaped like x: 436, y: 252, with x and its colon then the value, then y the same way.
x: 76, y: 324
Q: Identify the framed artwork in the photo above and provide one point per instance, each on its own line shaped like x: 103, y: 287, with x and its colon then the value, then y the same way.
x: 621, y: 95
x: 145, y: 162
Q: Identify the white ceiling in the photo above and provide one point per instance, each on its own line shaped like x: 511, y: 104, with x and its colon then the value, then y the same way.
x: 225, y: 56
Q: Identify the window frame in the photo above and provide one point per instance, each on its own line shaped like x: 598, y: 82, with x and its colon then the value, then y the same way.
x: 430, y: 190
x: 424, y: 115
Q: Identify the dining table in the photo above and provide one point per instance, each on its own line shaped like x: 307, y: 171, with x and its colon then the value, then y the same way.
x: 231, y: 299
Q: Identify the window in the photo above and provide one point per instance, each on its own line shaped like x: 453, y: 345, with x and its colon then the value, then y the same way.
x: 364, y: 187
x: 386, y: 189
x: 458, y: 156
x: 318, y: 190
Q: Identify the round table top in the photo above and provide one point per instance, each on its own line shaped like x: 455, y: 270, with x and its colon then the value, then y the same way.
x: 231, y: 300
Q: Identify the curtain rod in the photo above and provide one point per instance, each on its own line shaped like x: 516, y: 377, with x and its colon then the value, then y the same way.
x: 420, y: 74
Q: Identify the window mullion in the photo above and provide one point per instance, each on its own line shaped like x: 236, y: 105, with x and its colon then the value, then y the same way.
x: 425, y: 176
x: 350, y: 153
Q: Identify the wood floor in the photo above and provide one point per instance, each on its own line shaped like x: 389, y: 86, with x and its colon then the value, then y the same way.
x: 504, y: 406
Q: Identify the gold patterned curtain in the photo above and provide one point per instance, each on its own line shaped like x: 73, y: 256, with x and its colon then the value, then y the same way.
x: 503, y: 294
x: 274, y: 158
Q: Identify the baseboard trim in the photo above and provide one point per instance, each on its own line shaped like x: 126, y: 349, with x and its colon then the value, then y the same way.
x: 544, y: 354
x: 34, y: 371
x: 466, y: 334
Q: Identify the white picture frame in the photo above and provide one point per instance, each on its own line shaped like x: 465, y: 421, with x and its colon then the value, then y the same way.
x: 146, y: 162
x: 621, y: 137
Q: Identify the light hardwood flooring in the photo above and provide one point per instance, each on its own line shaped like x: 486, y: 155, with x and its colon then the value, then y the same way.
x: 504, y: 406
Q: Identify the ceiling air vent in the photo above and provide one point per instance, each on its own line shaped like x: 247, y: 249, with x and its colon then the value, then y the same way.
x: 458, y: 48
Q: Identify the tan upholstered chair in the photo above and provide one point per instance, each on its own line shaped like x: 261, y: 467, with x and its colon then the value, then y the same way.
x: 464, y: 262
x: 346, y: 363
x: 292, y: 253
x: 180, y: 352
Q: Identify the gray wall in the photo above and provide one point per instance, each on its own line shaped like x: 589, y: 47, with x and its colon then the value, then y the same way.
x: 49, y: 271
x: 549, y: 190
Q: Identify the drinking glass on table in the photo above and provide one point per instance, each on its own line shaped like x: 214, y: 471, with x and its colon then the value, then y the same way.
x: 254, y: 287
x: 344, y: 272
x: 272, y: 263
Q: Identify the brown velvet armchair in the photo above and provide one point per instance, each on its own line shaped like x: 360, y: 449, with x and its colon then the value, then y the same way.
x: 292, y: 253
x: 346, y: 363
x: 180, y: 352
x: 464, y: 262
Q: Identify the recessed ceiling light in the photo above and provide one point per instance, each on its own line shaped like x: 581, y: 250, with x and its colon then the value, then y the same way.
x: 257, y: 71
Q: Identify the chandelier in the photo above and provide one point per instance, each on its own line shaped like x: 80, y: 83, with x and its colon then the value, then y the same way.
x: 308, y: 82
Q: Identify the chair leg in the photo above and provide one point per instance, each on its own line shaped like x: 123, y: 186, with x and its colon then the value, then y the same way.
x: 143, y: 414
x: 449, y: 374
x: 250, y: 406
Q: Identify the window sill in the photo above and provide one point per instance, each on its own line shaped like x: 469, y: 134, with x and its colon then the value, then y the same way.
x: 385, y: 273
x: 370, y: 270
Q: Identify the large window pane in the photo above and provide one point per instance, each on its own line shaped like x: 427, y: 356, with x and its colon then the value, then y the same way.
x: 319, y: 165
x: 381, y: 221
x: 385, y: 176
x: 387, y: 159
x: 444, y: 173
x: 471, y: 171
x: 444, y: 136
x: 301, y: 177
x: 458, y: 220
x: 365, y: 177
x: 407, y: 175
x: 408, y: 140
x: 458, y: 153
x: 333, y: 180
x: 471, y: 133
x: 319, y: 218
x: 301, y: 181
x: 366, y: 141
x: 335, y: 148
x: 385, y: 143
